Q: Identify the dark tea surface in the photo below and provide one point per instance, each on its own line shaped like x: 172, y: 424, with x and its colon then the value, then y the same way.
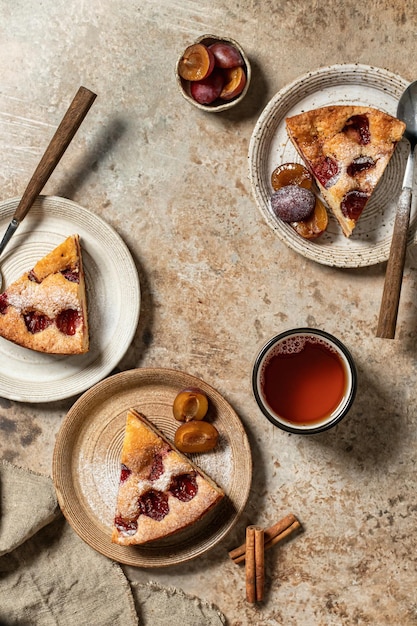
x: 303, y: 380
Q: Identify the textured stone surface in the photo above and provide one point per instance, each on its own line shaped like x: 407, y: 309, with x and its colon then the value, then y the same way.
x: 216, y: 282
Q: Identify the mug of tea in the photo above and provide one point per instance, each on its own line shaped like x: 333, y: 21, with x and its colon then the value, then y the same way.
x: 304, y: 380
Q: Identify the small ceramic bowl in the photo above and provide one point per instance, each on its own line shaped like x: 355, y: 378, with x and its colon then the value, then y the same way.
x: 304, y: 380
x: 218, y: 105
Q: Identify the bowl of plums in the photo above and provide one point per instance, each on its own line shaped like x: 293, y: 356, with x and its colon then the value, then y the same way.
x: 213, y: 73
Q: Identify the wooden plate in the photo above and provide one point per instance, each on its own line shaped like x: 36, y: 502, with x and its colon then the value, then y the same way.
x: 86, y: 463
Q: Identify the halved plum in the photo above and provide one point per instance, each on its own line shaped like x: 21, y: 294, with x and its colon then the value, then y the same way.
x: 128, y: 527
x: 235, y: 81
x: 360, y: 164
x: 190, y: 404
x: 357, y: 128
x: 196, y: 437
x: 315, y: 225
x: 124, y: 473
x: 196, y: 63
x: 291, y: 174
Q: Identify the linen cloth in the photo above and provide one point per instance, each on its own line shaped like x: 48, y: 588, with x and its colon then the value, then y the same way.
x: 51, y: 577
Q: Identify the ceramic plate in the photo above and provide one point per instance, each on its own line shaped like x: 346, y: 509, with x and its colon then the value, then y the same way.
x: 86, y: 463
x: 113, y: 295
x: 269, y: 147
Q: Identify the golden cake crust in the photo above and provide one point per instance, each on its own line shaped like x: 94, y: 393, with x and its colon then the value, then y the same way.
x: 346, y: 148
x: 144, y: 449
x: 66, y: 256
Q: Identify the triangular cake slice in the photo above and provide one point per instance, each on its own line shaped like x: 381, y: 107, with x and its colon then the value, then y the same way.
x: 161, y: 491
x: 346, y: 148
x: 46, y: 308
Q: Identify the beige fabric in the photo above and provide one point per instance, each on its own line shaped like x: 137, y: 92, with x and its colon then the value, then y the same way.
x: 20, y: 519
x: 162, y: 607
x: 50, y: 577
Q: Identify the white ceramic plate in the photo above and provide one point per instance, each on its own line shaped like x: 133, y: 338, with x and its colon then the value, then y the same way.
x: 86, y: 463
x: 270, y: 146
x: 113, y: 293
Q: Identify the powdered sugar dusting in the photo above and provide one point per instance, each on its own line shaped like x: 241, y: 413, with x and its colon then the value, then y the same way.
x: 47, y: 298
x: 218, y: 464
x: 164, y: 481
x: 99, y: 483
x: 99, y: 479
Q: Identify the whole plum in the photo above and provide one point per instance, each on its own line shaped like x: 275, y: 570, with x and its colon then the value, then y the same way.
x: 226, y: 55
x: 293, y: 203
x: 209, y: 89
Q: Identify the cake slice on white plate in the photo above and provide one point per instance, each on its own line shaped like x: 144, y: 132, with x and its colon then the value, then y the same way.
x: 46, y: 308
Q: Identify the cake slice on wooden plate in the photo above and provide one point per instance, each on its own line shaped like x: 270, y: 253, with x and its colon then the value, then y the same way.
x: 346, y: 148
x: 161, y: 491
x: 46, y: 308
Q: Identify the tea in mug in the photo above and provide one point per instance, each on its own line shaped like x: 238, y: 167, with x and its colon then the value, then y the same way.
x: 303, y: 379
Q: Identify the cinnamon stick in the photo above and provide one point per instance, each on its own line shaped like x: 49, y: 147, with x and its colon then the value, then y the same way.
x: 250, y: 564
x: 272, y: 536
x: 274, y: 540
x: 259, y: 563
x: 255, y: 564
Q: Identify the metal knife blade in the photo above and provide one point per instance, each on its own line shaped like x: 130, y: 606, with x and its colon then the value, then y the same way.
x: 11, y: 229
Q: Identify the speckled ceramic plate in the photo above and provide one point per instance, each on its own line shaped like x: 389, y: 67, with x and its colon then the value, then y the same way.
x: 86, y: 463
x: 270, y: 146
x: 113, y: 293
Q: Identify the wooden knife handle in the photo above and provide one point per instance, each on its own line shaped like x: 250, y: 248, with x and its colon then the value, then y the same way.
x: 395, y: 268
x: 69, y: 125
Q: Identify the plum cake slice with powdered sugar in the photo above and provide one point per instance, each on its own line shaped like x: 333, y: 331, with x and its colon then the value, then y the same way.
x: 347, y: 149
x: 161, y: 491
x: 46, y: 308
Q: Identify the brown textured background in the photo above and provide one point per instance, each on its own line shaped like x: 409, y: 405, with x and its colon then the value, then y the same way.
x: 216, y: 282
